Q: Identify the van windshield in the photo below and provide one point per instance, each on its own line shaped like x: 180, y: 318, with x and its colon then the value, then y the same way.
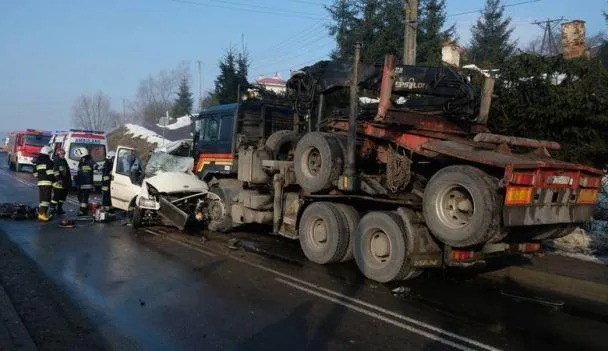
x: 36, y: 140
x: 97, y: 152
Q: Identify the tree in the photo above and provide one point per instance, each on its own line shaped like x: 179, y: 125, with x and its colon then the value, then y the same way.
x: 155, y: 94
x: 378, y: 25
x: 431, y: 32
x: 233, y: 74
x: 94, y: 112
x: 184, y: 101
x: 491, y: 42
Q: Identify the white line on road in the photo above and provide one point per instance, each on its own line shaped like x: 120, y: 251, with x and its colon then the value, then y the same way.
x: 338, y: 298
x: 179, y: 242
x: 33, y: 185
x: 375, y: 315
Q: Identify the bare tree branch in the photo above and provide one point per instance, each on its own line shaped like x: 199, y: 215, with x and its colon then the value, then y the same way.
x: 94, y: 112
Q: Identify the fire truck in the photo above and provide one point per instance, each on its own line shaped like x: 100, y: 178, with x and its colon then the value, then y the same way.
x: 24, y: 147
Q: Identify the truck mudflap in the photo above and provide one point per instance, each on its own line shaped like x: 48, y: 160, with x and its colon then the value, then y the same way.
x: 172, y: 214
x: 424, y: 251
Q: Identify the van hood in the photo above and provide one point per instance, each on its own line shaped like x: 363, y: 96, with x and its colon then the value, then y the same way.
x: 177, y: 182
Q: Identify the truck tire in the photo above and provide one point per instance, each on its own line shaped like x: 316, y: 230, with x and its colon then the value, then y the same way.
x: 352, y: 219
x: 461, y: 206
x: 220, y: 211
x: 323, y: 233
x: 380, y: 248
x: 318, y: 161
x: 282, y: 144
x: 11, y: 166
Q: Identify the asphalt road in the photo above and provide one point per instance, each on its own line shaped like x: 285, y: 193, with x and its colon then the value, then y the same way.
x: 152, y: 290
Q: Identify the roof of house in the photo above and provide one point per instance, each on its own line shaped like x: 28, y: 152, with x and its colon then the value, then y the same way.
x: 272, y: 81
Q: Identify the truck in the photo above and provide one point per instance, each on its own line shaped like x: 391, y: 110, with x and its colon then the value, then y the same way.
x: 94, y: 141
x: 24, y: 147
x: 390, y: 165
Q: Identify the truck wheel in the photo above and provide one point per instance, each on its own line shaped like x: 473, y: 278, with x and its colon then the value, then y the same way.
x: 318, y: 161
x: 461, y: 206
x: 323, y: 233
x: 352, y: 219
x: 11, y: 166
x: 220, y: 218
x: 380, y: 248
x: 282, y: 143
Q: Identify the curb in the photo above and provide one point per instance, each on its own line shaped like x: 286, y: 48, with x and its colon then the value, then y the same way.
x: 17, y: 337
x: 551, y: 282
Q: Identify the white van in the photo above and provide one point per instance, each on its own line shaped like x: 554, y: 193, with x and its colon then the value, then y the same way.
x: 70, y: 140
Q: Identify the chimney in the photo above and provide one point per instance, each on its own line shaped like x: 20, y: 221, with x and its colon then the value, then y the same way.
x: 450, y: 54
x: 573, y: 39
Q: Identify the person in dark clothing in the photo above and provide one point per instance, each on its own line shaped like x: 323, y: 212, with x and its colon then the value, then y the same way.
x: 84, y: 179
x: 63, y: 182
x: 106, y: 179
x: 45, y: 174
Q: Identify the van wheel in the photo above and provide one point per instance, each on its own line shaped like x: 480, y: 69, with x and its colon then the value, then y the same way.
x: 323, y: 233
x: 137, y: 216
x: 381, y: 250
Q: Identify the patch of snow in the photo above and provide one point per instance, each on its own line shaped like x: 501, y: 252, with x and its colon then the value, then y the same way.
x: 172, y: 146
x: 145, y: 133
x: 367, y: 100
x: 588, y: 246
x: 180, y: 122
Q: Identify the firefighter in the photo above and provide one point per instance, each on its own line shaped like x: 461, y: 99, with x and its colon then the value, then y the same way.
x: 106, y: 174
x: 84, y: 179
x: 45, y: 174
x: 63, y: 182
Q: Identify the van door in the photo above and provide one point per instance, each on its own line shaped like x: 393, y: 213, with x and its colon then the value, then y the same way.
x: 122, y: 190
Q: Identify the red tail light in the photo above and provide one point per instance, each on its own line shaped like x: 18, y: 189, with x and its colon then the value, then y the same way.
x: 462, y: 255
x: 529, y: 247
x: 522, y: 179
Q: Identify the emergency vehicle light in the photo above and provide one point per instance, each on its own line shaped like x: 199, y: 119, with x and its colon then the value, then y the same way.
x: 87, y: 131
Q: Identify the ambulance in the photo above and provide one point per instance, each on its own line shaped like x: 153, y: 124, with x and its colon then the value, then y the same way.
x: 70, y: 140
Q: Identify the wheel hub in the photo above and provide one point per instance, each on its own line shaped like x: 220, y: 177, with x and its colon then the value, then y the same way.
x: 380, y: 246
x: 319, y: 232
x: 216, y: 210
x: 455, y: 207
x: 314, y: 161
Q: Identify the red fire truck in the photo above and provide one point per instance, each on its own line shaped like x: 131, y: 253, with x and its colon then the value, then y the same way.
x: 24, y: 147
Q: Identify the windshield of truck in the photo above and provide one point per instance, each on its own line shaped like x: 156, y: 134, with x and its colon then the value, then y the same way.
x: 36, y: 140
x: 97, y: 152
x: 161, y: 162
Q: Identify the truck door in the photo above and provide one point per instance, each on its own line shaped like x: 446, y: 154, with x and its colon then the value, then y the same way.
x: 122, y: 190
x: 214, y: 142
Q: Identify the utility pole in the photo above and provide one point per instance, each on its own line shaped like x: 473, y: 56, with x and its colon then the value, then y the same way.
x: 200, y: 85
x: 124, y: 117
x: 549, y: 46
x: 410, y: 31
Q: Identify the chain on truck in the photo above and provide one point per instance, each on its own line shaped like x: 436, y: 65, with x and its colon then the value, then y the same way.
x: 408, y: 179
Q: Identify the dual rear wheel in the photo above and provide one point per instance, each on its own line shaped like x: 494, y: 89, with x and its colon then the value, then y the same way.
x: 331, y: 232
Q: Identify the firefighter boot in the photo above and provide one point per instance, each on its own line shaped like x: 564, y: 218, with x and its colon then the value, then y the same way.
x: 42, y: 216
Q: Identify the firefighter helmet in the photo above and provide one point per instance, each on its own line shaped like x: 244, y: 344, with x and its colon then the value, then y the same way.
x: 46, y: 150
x: 81, y: 152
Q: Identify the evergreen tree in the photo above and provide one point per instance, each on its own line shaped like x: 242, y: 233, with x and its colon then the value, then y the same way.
x: 234, y: 68
x: 378, y: 25
x: 431, y: 34
x: 184, y: 101
x: 491, y: 42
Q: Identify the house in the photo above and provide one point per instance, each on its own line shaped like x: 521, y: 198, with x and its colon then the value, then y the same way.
x: 275, y: 83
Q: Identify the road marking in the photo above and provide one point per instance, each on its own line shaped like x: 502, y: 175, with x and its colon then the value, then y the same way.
x: 180, y: 242
x: 378, y: 316
x: 338, y: 298
x: 33, y: 185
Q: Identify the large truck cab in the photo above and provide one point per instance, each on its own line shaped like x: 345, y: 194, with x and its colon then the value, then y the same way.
x: 220, y: 130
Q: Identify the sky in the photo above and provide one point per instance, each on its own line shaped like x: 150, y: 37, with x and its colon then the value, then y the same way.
x: 53, y: 51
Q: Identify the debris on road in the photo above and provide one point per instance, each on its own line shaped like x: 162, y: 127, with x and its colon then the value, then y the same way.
x: 17, y: 211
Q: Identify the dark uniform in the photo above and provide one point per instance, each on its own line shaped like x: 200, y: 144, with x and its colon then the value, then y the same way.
x: 106, y: 178
x: 62, y: 185
x: 46, y: 177
x: 84, y: 183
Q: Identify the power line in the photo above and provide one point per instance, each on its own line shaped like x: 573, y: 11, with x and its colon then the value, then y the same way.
x: 480, y: 10
x: 301, y: 45
x: 290, y: 57
x: 248, y: 8
x: 549, y: 45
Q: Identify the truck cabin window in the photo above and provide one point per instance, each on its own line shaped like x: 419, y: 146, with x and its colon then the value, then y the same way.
x: 207, y: 130
x: 37, y: 140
